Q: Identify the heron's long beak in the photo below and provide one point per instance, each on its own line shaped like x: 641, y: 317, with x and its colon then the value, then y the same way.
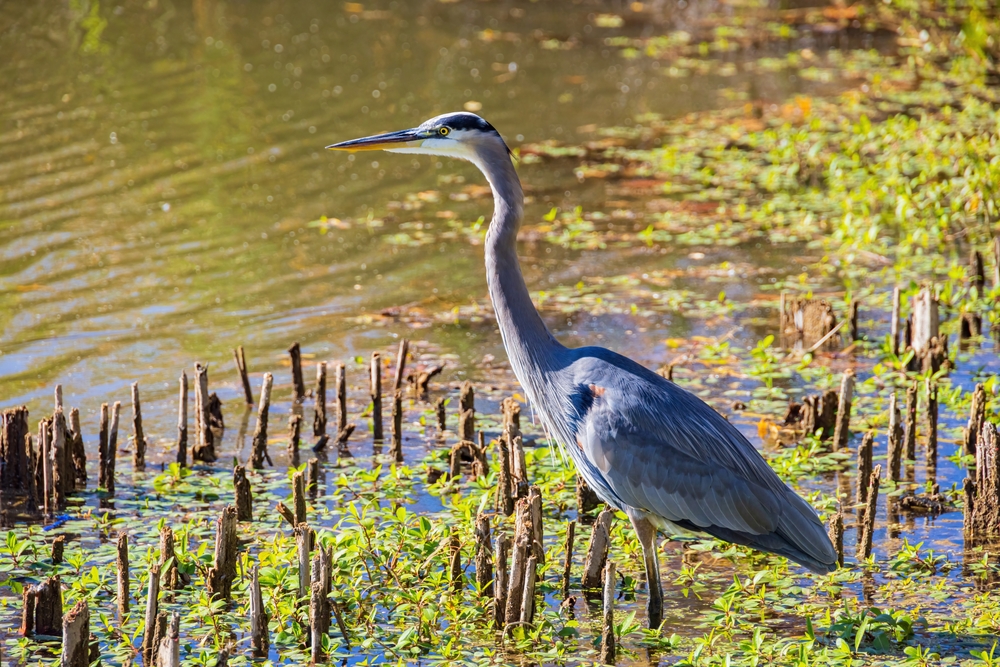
x: 381, y: 141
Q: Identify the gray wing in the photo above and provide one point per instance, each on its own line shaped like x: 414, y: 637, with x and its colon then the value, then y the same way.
x: 662, y: 450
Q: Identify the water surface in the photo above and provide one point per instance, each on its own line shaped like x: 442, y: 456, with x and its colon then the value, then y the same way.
x: 160, y: 163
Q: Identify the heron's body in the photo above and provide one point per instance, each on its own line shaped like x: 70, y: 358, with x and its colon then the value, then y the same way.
x: 646, y: 446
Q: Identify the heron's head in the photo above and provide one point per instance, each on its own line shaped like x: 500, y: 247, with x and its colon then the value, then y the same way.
x: 462, y: 135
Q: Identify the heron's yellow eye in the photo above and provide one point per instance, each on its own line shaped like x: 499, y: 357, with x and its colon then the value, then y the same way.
x: 444, y: 131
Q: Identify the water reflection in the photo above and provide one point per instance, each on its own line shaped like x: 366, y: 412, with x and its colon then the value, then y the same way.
x: 159, y: 164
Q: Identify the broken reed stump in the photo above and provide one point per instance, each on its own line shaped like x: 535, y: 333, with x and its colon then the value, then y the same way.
x: 285, y: 513
x: 259, y: 448
x: 528, y: 592
x: 865, y: 450
x: 64, y: 443
x: 471, y: 452
x: 16, y: 474
x: 511, y: 415
x: 518, y: 467
x: 319, y: 415
x: 48, y: 607
x: 299, y: 496
x: 43, y: 472
x: 138, y: 436
x: 810, y: 320
x: 524, y: 549
x: 970, y: 325
x: 182, y: 420
x: 842, y: 430
x: 608, y: 616
x: 852, y: 319
x: 216, y: 422
x: 894, y: 322
x: 319, y: 621
x: 241, y: 368
x: 925, y: 320
x: 467, y: 412
x: 304, y: 538
x: 455, y: 562
x: 78, y: 452
x: 168, y: 651
x: 977, y: 271
x: 204, y: 443
x: 484, y: 563
x: 244, y: 498
x: 58, y: 545
x: 404, y: 349
x: 343, y: 437
x: 515, y: 583
x: 568, y: 557
x: 894, y: 441
x: 597, y: 551
x: 397, y: 425
x: 587, y: 500
x: 421, y: 379
x: 819, y: 413
x: 61, y: 476
x: 76, y: 636
x: 930, y: 348
x: 931, y: 449
x: 341, y: 380
x: 375, y: 391
x: 836, y: 534
x: 312, y: 477
x: 27, y: 628
x: 223, y: 571
x: 480, y: 464
x: 935, y: 357
x: 534, y: 507
x: 439, y: 411
x: 298, y: 383
x: 109, y: 474
x: 982, y: 494
x: 866, y: 533
x: 152, y: 611
x: 501, y: 582
x: 260, y: 642
x: 294, y: 436
x: 170, y: 576
x: 322, y: 608
x: 505, y: 483
x: 910, y: 432
x: 102, y: 448
x: 122, y: 576
x: 322, y: 568
x: 977, y: 416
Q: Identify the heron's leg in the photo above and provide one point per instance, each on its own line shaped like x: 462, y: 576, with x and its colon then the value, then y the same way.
x: 646, y: 533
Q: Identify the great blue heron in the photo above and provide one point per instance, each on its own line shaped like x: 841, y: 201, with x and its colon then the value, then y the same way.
x: 646, y: 446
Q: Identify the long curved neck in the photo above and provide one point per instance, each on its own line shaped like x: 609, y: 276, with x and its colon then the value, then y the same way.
x: 528, y: 342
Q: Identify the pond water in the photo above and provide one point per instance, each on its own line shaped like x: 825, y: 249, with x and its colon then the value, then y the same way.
x: 159, y: 168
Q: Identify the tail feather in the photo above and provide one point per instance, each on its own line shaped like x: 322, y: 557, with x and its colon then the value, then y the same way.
x: 800, y: 537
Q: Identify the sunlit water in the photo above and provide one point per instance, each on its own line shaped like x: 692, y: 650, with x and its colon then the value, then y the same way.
x: 158, y: 175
